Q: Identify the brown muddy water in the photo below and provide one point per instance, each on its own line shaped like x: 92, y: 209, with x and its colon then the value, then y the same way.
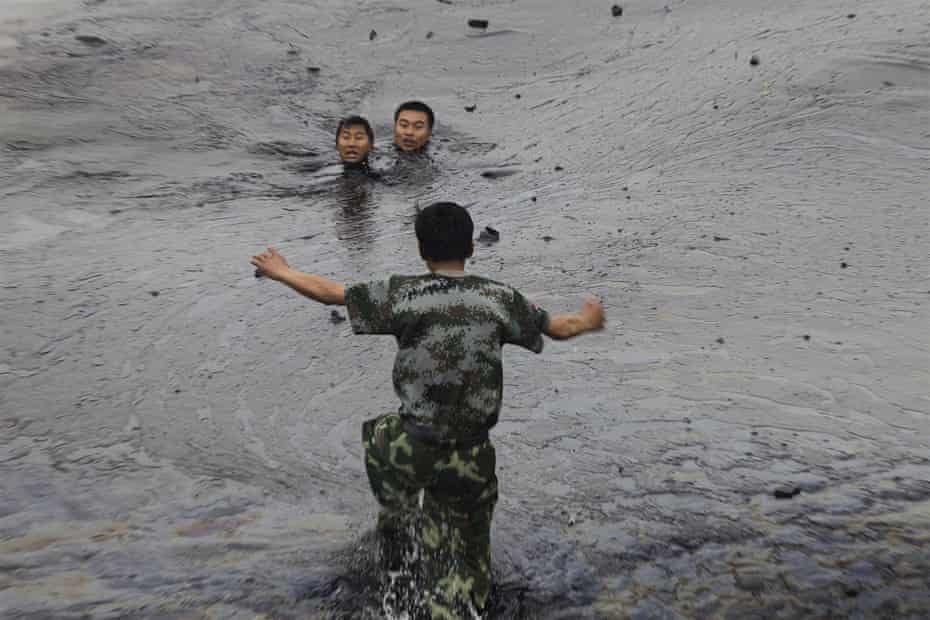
x: 179, y: 440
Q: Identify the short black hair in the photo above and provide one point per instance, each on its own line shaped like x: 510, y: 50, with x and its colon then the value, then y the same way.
x: 355, y: 120
x: 416, y: 106
x: 444, y: 230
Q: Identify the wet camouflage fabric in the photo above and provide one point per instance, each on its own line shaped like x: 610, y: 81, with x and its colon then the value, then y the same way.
x: 449, y: 332
x: 436, y: 549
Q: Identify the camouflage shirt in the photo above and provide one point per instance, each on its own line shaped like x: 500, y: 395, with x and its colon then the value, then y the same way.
x: 449, y: 330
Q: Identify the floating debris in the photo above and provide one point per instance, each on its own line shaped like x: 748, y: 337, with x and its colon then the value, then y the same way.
x: 489, y: 235
x: 500, y: 173
x: 91, y: 40
x: 786, y: 492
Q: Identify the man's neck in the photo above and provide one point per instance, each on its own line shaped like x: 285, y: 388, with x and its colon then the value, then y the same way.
x: 416, y: 153
x: 355, y: 166
x: 451, y: 266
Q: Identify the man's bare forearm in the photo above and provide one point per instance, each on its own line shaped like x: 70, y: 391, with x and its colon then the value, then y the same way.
x: 315, y: 287
x: 565, y: 326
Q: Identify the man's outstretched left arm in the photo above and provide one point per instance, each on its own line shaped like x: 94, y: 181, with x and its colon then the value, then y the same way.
x: 565, y: 326
x: 317, y: 288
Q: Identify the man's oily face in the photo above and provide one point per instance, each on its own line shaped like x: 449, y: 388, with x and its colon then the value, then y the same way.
x: 411, y: 131
x: 353, y: 144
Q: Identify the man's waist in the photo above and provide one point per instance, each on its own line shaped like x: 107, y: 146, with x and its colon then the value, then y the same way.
x: 438, y: 435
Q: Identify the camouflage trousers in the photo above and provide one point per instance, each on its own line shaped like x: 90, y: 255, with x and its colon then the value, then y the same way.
x: 435, y: 521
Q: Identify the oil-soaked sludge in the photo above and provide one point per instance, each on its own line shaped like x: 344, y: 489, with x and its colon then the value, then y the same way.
x: 178, y: 439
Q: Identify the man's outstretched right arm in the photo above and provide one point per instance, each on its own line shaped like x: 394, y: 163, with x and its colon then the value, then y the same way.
x: 565, y: 326
x: 315, y: 287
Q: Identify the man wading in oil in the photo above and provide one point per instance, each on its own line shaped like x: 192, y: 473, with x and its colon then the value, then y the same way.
x: 431, y: 464
x: 414, y: 122
x: 354, y: 141
x: 413, y: 126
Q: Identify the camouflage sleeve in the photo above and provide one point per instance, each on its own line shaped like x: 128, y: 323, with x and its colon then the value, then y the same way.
x: 369, y: 307
x: 526, y: 324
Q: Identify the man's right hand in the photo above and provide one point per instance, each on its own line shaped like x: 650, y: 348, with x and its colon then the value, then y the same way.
x: 271, y: 264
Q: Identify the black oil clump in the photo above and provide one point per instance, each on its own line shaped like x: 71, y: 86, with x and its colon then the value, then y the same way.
x: 489, y: 236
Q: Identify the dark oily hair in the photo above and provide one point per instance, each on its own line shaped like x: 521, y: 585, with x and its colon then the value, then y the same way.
x: 416, y: 106
x: 444, y: 230
x: 355, y: 121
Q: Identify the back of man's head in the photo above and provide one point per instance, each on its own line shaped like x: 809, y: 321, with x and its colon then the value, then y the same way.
x: 416, y: 106
x: 444, y: 230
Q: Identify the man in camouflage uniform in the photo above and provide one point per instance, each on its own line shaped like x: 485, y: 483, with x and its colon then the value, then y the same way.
x: 431, y: 465
x: 435, y: 523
